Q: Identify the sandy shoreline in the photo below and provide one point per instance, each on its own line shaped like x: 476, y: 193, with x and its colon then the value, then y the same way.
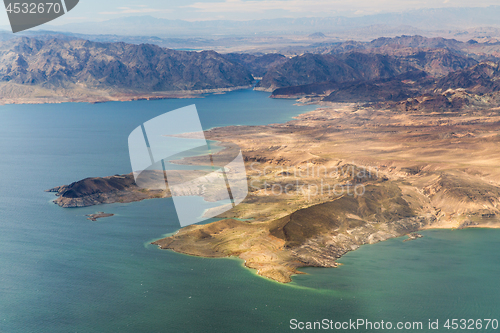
x: 33, y: 95
x: 298, y: 272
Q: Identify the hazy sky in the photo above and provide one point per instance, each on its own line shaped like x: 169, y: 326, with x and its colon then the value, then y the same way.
x: 96, y: 10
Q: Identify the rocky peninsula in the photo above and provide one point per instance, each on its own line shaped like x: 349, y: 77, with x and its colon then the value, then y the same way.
x: 337, y: 178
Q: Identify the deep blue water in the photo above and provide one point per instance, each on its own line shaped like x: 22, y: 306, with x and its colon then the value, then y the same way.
x: 62, y: 273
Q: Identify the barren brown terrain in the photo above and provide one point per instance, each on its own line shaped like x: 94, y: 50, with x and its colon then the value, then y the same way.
x: 418, y: 170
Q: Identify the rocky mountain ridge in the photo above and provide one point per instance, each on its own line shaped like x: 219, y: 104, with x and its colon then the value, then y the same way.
x: 58, y: 63
x: 358, y: 66
x: 384, y: 70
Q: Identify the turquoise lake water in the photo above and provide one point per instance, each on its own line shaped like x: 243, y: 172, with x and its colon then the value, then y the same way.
x: 62, y: 273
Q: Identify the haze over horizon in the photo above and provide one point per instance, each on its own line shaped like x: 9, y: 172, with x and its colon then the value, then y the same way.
x: 355, y: 13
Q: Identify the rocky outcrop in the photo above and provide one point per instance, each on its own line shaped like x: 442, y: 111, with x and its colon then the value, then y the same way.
x: 97, y: 191
x: 123, y: 189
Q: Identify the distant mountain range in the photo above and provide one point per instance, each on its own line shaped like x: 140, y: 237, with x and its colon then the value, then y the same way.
x: 379, y: 59
x: 383, y: 70
x: 414, y: 72
x: 289, y: 43
x: 62, y: 64
x: 356, y: 66
x: 474, y: 86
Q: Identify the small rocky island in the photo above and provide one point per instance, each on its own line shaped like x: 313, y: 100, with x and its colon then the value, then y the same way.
x: 98, y: 215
